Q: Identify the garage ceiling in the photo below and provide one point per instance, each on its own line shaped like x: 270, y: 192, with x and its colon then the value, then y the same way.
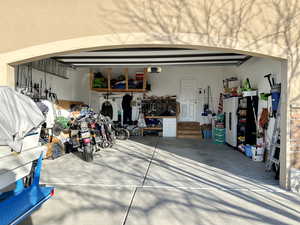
x: 151, y: 57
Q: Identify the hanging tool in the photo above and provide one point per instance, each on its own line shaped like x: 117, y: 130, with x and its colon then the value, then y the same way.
x: 41, y: 90
x: 17, y: 77
x: 206, y: 106
x: 45, y: 86
x: 29, y: 73
x: 268, y: 76
x: 21, y: 77
x: 273, y: 81
x: 27, y: 86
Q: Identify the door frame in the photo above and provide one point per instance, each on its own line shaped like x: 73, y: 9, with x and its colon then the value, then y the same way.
x: 186, y: 40
x: 194, y: 100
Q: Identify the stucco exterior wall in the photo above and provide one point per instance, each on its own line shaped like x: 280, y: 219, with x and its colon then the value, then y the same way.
x: 34, y: 29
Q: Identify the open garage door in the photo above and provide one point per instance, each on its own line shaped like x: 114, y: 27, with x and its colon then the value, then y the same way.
x: 169, y: 92
x: 177, y: 106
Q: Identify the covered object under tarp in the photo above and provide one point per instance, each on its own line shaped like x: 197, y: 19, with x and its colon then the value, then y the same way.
x: 18, y: 116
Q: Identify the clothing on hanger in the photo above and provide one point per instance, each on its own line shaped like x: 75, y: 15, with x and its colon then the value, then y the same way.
x: 107, y: 109
x: 127, y: 109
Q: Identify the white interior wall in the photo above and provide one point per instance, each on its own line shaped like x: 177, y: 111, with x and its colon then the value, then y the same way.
x: 255, y: 69
x: 74, y: 89
x: 168, y: 81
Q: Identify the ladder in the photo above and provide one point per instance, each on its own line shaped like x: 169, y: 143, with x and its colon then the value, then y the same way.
x: 274, y: 143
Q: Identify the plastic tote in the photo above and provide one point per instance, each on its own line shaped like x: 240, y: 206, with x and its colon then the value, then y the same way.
x: 207, y: 134
x: 258, y: 154
x: 248, y: 151
x: 219, y: 135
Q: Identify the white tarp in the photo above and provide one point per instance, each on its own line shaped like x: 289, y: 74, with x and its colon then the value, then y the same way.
x: 18, y: 116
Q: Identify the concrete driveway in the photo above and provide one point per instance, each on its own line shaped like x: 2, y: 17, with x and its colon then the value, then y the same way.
x: 153, y: 181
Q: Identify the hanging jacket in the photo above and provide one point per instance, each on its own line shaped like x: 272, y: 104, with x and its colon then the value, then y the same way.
x: 107, y: 109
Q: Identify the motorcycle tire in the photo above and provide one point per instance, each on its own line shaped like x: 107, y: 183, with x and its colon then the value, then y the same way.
x: 122, y: 134
x: 105, y: 144
x: 88, y: 153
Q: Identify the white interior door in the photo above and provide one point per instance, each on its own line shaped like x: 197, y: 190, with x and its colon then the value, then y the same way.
x: 187, y: 100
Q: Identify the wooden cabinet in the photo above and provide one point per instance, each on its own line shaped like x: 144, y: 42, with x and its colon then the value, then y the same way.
x: 108, y: 76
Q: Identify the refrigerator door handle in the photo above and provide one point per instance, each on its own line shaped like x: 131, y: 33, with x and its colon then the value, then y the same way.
x: 230, y: 120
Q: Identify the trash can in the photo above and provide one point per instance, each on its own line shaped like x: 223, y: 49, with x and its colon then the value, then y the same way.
x: 275, y: 93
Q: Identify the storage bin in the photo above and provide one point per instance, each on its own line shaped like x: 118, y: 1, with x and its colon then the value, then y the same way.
x: 248, y: 151
x: 258, y: 154
x: 258, y: 158
x: 275, y: 93
x: 207, y: 134
x: 219, y: 131
x: 219, y: 141
x: 139, y: 76
x: 219, y: 135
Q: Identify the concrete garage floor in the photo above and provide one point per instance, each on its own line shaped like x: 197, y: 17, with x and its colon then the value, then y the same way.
x: 151, y: 181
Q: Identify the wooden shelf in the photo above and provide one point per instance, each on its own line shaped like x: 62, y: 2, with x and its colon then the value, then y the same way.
x: 127, y: 89
x: 159, y: 117
x: 100, y: 89
x: 118, y: 90
x: 152, y: 128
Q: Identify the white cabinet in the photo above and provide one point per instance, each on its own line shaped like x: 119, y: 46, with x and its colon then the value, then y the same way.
x: 230, y: 111
x: 169, y: 127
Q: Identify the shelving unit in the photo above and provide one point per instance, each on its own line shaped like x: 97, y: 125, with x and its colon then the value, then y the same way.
x: 169, y: 125
x: 108, y: 73
x: 152, y: 128
x: 246, y: 127
x: 159, y: 117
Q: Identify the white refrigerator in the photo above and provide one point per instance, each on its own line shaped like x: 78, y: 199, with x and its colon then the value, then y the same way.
x: 230, y: 107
